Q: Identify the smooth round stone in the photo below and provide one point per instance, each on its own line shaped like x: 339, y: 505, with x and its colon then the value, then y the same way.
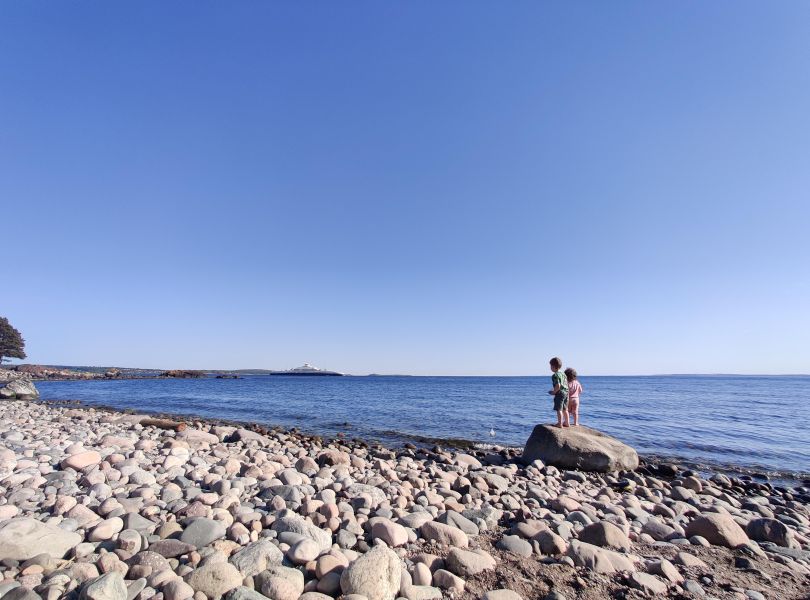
x: 106, y: 529
x: 81, y: 460
x: 130, y: 540
x: 516, y: 545
x: 177, y: 589
x: 303, y: 551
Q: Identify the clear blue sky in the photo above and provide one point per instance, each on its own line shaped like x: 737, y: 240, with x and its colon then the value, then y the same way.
x: 409, y: 187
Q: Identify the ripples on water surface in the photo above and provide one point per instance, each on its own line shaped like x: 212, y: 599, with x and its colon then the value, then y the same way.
x: 745, y: 421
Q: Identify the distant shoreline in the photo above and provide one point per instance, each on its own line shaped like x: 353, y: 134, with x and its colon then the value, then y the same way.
x: 129, y: 373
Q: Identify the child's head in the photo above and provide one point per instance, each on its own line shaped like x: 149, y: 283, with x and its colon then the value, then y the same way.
x: 570, y: 374
x: 555, y: 363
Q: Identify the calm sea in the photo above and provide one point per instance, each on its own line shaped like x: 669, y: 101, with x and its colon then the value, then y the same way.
x: 749, y: 422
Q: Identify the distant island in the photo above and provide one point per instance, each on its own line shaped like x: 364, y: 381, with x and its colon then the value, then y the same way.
x: 61, y: 372
x: 308, y: 370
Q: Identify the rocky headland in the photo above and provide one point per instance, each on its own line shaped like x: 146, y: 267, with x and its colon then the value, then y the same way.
x: 182, y: 374
x: 99, y: 505
x: 44, y: 373
x: 49, y: 373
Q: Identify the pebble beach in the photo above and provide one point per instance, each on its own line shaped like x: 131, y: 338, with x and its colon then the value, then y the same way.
x: 101, y: 505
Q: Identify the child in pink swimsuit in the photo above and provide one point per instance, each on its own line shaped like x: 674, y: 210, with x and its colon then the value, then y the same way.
x: 574, y: 390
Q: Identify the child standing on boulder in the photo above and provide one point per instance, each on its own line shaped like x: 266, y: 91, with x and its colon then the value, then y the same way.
x: 574, y: 390
x: 559, y: 391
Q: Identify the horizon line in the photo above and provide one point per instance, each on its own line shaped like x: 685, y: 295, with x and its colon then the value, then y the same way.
x: 705, y: 374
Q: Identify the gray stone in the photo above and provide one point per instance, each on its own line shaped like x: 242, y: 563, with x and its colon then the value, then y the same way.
x: 21, y: 593
x: 459, y: 521
x: 244, y: 593
x: 245, y: 435
x: 134, y: 588
x: 140, y: 524
x: 488, y: 514
x: 23, y: 538
x: 719, y: 529
x: 375, y: 575
x: 693, y: 587
x: 171, y: 548
x: 177, y: 589
x: 356, y: 489
x: 6, y: 586
x: 503, y: 594
x: 303, y: 551
x: 214, y: 579
x: 393, y: 534
x: 281, y: 583
x: 109, y: 586
x: 550, y: 543
x: 296, y: 524
x: 201, y: 531
x: 599, y: 560
x: 657, y: 530
x: 466, y: 563
x: 444, y: 534
x: 255, y: 558
x: 606, y: 535
x: 770, y: 530
x: 420, y: 592
x: 153, y: 560
x: 665, y: 569
x: 415, y: 520
x: 649, y: 584
x: 515, y: 545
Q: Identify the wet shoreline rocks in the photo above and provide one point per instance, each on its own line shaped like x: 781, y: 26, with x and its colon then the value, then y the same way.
x: 43, y: 373
x: 102, y: 505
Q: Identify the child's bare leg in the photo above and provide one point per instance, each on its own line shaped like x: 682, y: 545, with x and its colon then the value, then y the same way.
x: 559, y: 418
x: 576, y: 416
x: 566, y: 422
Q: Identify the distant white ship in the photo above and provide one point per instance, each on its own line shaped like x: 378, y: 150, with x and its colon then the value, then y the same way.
x: 306, y: 369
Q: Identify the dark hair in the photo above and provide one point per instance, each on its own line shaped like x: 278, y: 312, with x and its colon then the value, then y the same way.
x: 570, y: 374
x: 555, y: 362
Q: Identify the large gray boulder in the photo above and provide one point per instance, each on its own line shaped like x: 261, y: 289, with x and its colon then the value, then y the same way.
x: 16, y: 386
x: 580, y: 448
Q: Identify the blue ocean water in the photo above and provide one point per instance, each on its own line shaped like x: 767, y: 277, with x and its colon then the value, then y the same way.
x: 743, y: 421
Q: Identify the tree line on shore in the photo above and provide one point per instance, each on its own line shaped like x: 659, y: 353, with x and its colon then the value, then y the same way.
x: 12, y: 344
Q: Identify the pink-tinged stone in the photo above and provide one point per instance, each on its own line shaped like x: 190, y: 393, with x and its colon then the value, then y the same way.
x: 81, y: 460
